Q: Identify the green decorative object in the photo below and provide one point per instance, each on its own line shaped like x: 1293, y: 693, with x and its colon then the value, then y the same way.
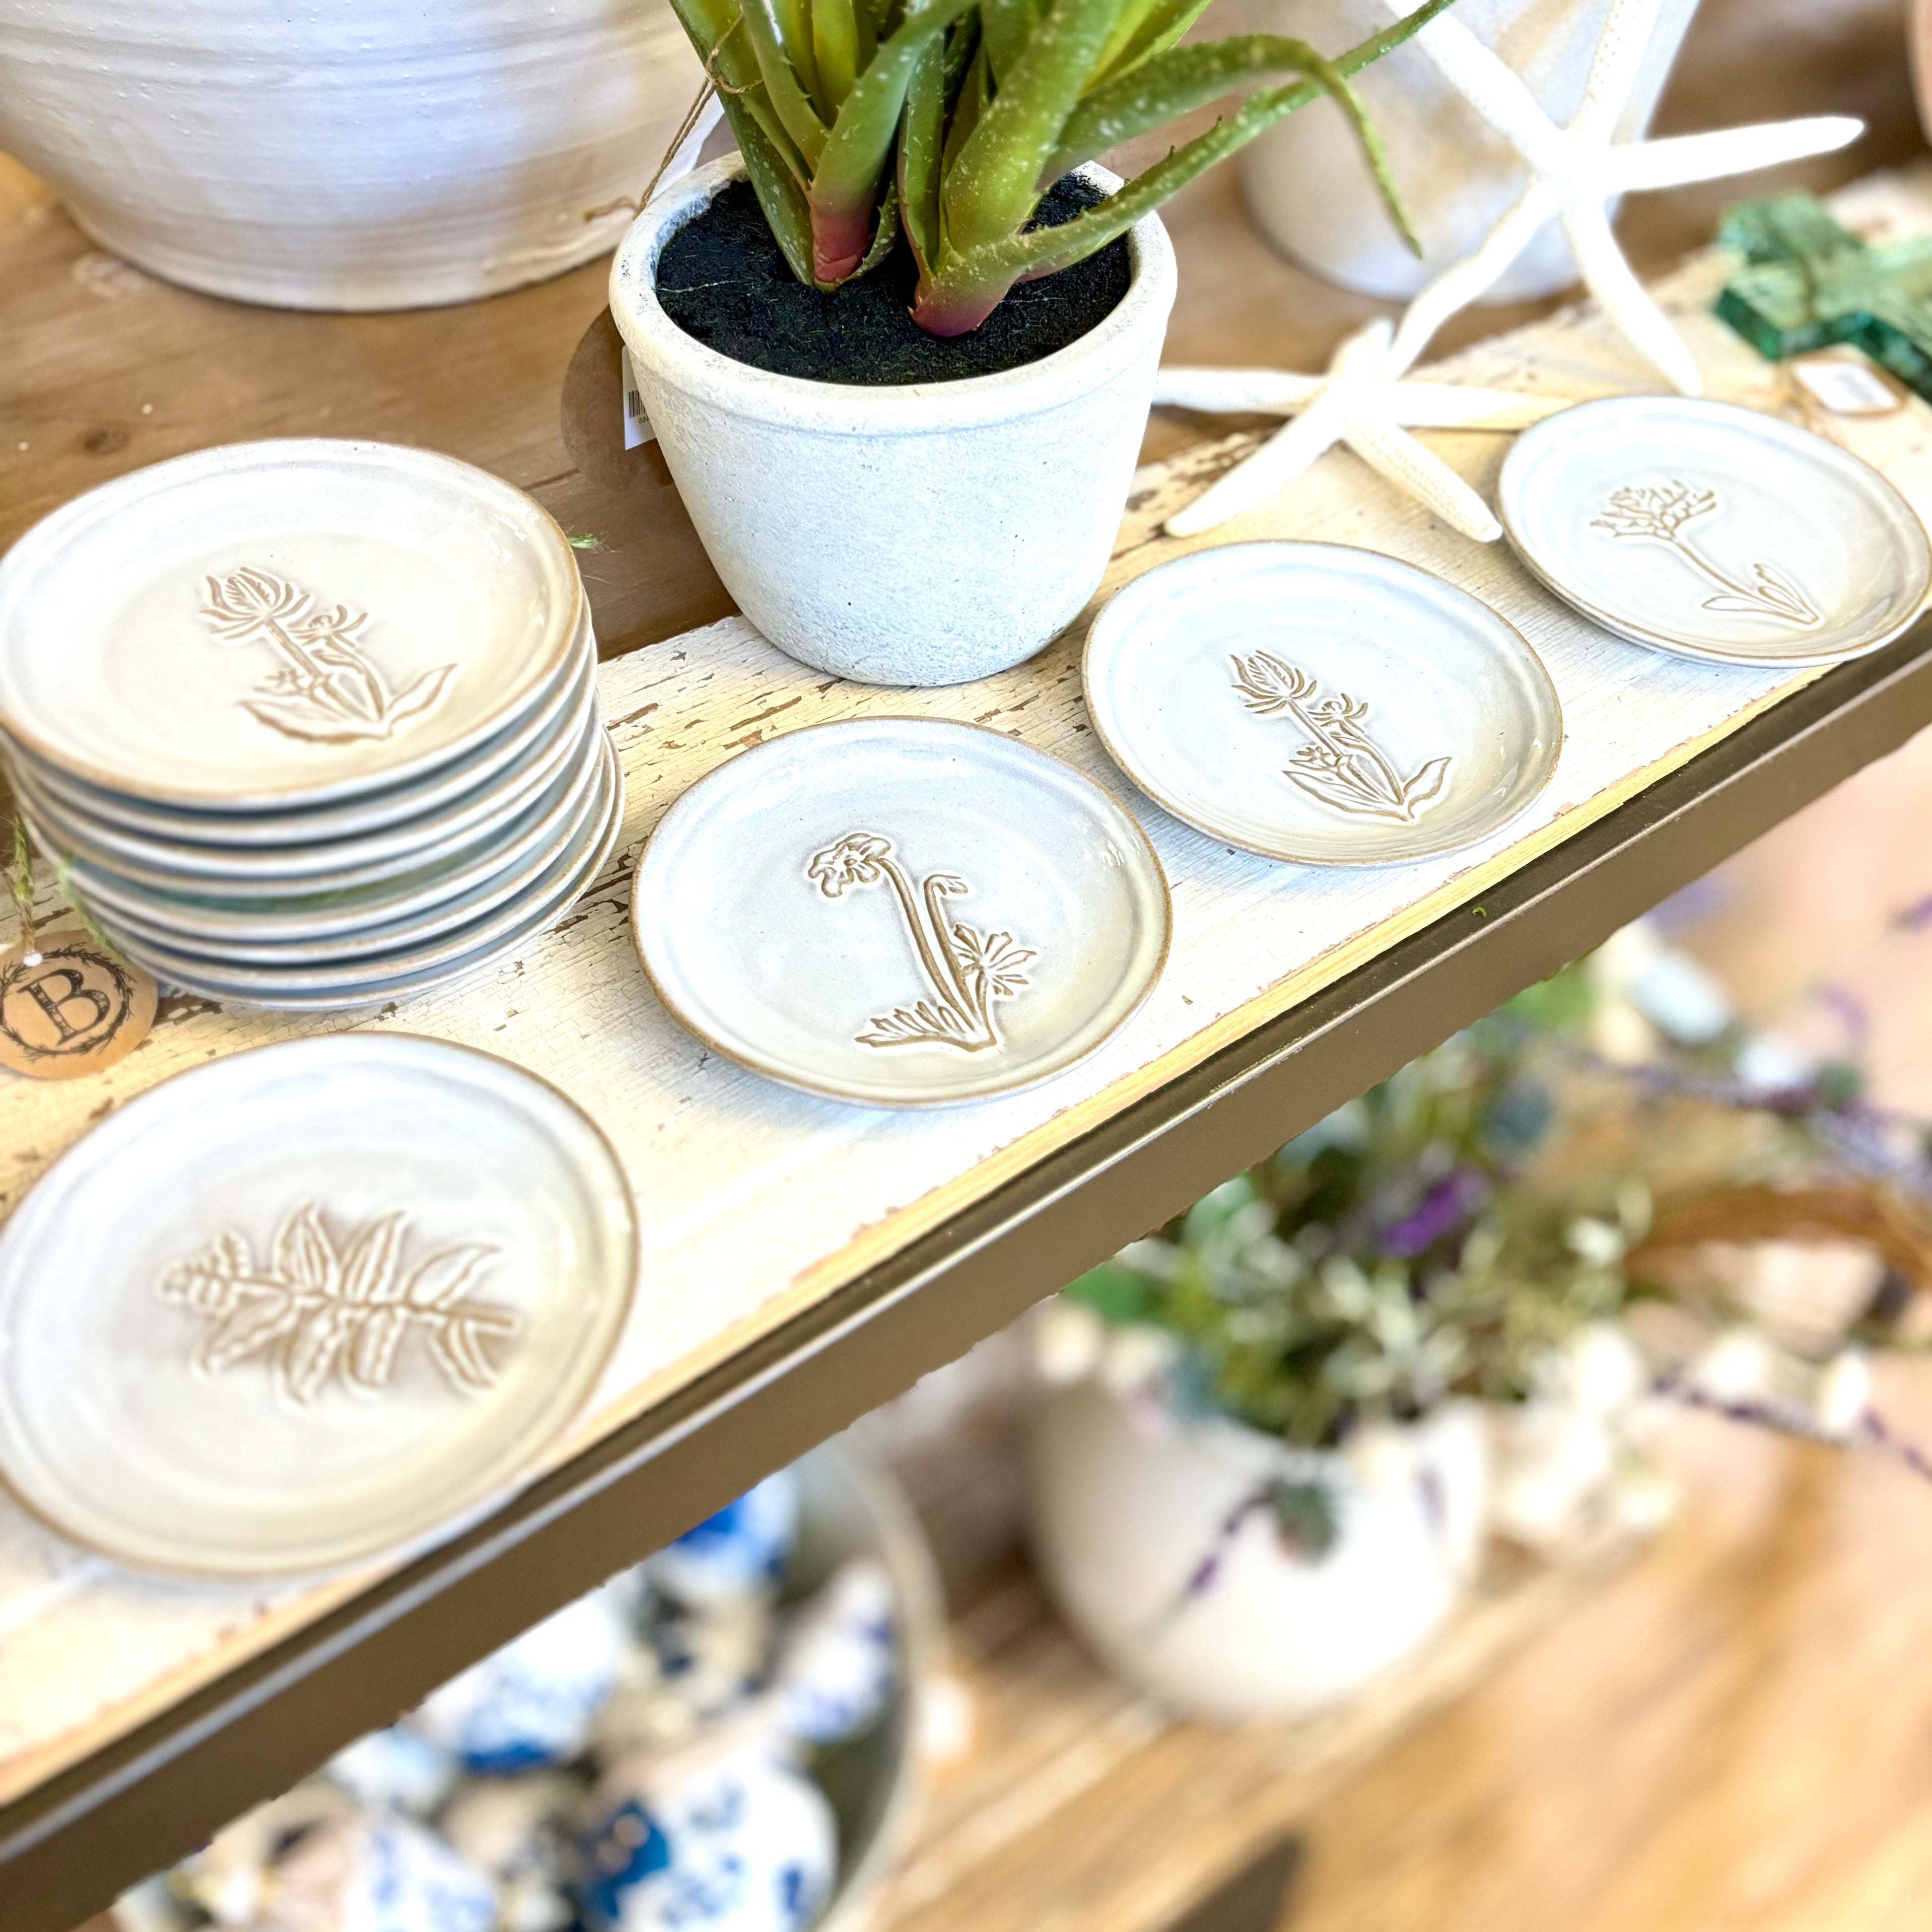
x: 1808, y: 283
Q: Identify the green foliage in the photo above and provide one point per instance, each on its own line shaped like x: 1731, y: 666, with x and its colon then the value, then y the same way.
x: 1391, y: 1256
x: 957, y: 116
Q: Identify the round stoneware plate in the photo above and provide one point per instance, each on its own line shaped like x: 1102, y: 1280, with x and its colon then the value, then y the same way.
x: 900, y: 911
x: 281, y: 622
x: 1321, y: 704
x: 473, y: 775
x: 1715, y: 532
x: 305, y: 1304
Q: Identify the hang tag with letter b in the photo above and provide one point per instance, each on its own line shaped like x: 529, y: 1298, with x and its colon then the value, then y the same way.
x: 68, y: 1007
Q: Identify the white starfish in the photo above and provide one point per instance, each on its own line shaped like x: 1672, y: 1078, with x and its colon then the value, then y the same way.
x: 1576, y: 173
x: 1362, y: 401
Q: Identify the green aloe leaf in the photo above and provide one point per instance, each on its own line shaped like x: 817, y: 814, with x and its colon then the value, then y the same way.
x: 848, y: 167
x: 780, y: 192
x: 1007, y: 25
x: 782, y: 89
x: 1143, y: 28
x: 793, y: 20
x: 921, y: 133
x: 1176, y: 83
x: 835, y: 46
x: 993, y: 187
x: 1046, y: 250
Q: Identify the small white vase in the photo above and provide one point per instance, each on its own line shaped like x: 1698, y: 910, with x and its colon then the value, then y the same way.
x: 1309, y: 194
x: 919, y: 534
x: 1126, y: 1509
x: 353, y: 154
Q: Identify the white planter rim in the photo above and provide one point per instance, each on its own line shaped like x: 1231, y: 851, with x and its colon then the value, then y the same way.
x: 848, y: 408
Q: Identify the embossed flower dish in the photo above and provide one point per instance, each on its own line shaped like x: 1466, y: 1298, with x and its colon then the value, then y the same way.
x: 1715, y: 532
x: 1314, y: 703
x: 307, y: 723
x: 307, y: 1304
x: 901, y: 911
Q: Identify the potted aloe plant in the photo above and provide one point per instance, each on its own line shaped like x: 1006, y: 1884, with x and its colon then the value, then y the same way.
x: 899, y: 351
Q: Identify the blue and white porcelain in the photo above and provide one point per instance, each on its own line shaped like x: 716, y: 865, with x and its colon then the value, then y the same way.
x: 520, y: 1831
x: 396, y: 1769
x: 534, y: 1702
x: 376, y: 1873
x: 737, y: 1843
x: 742, y: 1548
x: 838, y: 1659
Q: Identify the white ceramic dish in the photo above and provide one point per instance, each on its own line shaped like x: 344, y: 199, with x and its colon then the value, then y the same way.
x: 505, y: 941
x: 294, y: 623
x: 467, y: 895
x: 539, y: 896
x: 188, y: 1384
x: 901, y: 911
x: 386, y: 992
x: 1715, y: 532
x: 497, y: 759
x: 1317, y: 704
x: 290, y: 870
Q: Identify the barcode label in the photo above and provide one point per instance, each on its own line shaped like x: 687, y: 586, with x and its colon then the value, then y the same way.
x: 1846, y: 388
x: 638, y: 429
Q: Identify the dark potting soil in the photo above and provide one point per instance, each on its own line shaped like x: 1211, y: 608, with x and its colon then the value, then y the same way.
x: 723, y: 279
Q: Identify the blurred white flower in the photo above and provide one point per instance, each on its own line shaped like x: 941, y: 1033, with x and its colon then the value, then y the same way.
x: 1594, y: 1242
x: 1381, y: 1457
x: 1136, y: 1356
x: 1553, y: 1463
x: 1620, y: 1034
x: 1682, y: 998
x: 1740, y: 1366
x: 1771, y: 1065
x: 1069, y: 1339
x: 1613, y: 968
x: 1843, y: 1394
x: 1603, y: 1373
x: 1645, y: 1499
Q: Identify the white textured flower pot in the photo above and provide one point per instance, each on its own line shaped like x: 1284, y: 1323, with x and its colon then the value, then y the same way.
x: 1310, y: 195
x: 921, y: 534
x: 1126, y: 1508
x: 353, y: 154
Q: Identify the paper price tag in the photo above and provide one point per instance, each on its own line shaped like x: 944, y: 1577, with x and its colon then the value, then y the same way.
x: 1845, y: 387
x: 638, y: 429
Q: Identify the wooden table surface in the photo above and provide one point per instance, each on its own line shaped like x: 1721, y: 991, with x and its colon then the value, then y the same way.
x: 1736, y: 1732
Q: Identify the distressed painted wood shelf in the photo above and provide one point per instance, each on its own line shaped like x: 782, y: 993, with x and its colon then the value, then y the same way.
x: 803, y: 1260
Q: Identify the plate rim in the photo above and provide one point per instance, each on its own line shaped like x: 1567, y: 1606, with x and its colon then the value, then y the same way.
x: 824, y: 1091
x: 60, y: 527
x: 440, y: 788
x: 427, y: 1535
x: 427, y: 979
x: 1633, y: 633
x: 1128, y: 770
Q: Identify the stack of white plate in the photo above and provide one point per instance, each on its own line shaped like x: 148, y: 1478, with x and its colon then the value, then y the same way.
x: 308, y: 723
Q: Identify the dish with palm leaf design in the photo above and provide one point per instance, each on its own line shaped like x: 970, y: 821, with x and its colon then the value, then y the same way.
x: 1321, y: 704
x: 307, y: 1305
x: 1715, y: 532
x: 901, y: 911
x: 277, y: 623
